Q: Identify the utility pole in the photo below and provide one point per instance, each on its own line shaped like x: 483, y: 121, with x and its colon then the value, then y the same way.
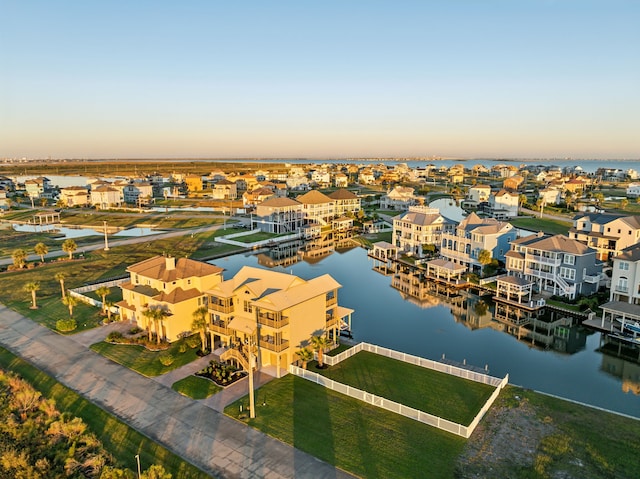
x: 106, y: 240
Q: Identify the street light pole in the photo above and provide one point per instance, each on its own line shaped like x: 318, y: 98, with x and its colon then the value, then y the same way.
x: 106, y: 241
x: 252, y: 402
x: 138, y: 461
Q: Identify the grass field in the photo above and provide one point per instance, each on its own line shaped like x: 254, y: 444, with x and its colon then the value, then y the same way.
x: 553, y: 227
x: 350, y: 434
x: 433, y: 392
x: 140, y: 359
x: 119, y: 439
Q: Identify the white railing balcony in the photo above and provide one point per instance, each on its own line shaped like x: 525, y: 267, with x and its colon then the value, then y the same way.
x: 543, y: 259
x: 619, y: 288
x: 592, y: 278
x: 539, y: 274
x: 449, y: 253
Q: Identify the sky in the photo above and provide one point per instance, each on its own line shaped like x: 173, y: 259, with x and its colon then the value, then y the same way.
x: 320, y: 79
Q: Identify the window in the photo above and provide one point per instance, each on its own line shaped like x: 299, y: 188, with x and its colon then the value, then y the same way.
x: 568, y: 273
x: 623, y: 265
x: 569, y: 259
x: 247, y: 307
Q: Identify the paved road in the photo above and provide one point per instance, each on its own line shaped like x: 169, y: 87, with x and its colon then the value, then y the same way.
x: 536, y: 214
x: 217, y: 444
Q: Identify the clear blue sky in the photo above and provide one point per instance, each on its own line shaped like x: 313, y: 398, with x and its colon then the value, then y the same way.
x: 476, y: 78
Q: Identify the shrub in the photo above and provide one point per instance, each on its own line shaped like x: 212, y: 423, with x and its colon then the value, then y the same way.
x: 114, y: 337
x: 135, y: 330
x: 166, y: 359
x: 66, y: 325
x: 193, y: 341
x: 182, y: 347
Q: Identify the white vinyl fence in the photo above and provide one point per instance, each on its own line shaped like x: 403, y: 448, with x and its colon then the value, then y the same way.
x: 78, y: 292
x: 412, y: 413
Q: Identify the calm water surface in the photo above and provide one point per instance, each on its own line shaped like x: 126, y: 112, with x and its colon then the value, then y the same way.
x: 383, y: 317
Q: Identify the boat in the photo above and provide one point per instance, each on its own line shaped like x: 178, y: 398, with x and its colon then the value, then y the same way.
x: 633, y: 327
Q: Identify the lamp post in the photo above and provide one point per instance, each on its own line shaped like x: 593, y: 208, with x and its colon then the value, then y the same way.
x: 106, y: 240
x: 252, y: 402
x: 138, y: 461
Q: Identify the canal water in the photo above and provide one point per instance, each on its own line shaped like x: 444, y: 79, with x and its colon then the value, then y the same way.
x: 434, y: 328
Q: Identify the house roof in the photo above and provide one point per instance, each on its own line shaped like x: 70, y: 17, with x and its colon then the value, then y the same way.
x: 314, y: 197
x: 558, y: 243
x: 177, y: 295
x: 279, y: 202
x: 156, y: 268
x: 441, y: 263
x: 631, y: 253
x: 342, y: 194
x: 385, y: 245
x: 286, y: 298
x: 424, y: 219
x: 513, y: 280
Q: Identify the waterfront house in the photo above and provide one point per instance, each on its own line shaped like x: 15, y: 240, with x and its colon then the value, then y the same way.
x: 104, y: 197
x: 513, y: 182
x: 633, y: 190
x: 137, y: 192
x: 473, y: 235
x: 257, y: 196
x: 345, y: 202
x: 479, y: 194
x: 71, y: 196
x: 503, y: 205
x: 625, y: 278
x: 175, y: 285
x: 418, y: 227
x: 555, y: 264
x: 276, y: 312
x: 39, y: 187
x: 399, y: 198
x: 317, y: 207
x: 608, y: 233
x: 278, y: 215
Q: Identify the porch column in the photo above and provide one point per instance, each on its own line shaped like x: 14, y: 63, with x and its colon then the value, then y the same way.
x: 278, y: 366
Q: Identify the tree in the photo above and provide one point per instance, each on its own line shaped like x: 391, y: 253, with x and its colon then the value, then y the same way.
x: 32, y: 287
x: 19, y: 257
x: 484, y: 257
x: 155, y: 314
x: 107, y: 306
x: 41, y: 249
x: 568, y: 198
x: 103, y: 292
x: 318, y: 343
x: 305, y: 355
x: 540, y: 204
x: 624, y: 203
x: 199, y: 324
x: 70, y: 301
x: 60, y: 277
x: 522, y: 200
x: 69, y: 246
x: 599, y: 197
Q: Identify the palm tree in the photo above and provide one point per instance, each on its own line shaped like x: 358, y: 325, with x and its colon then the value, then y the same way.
x: 41, y: 249
x: 540, y: 204
x: 69, y: 246
x: 155, y: 314
x: 107, y: 306
x: 568, y: 198
x: 305, y: 355
x: 522, y: 199
x: 484, y: 257
x: 199, y: 324
x: 70, y: 301
x: 103, y: 292
x: 624, y: 203
x: 318, y: 343
x: 60, y: 277
x: 19, y: 257
x: 599, y: 197
x: 32, y: 287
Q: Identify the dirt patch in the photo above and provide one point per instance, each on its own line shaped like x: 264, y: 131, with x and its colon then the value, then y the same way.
x: 506, y: 439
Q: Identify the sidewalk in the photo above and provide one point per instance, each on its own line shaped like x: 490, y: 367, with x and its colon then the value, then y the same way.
x: 212, y: 441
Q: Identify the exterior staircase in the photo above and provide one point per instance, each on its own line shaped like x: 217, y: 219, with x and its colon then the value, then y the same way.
x: 238, y: 355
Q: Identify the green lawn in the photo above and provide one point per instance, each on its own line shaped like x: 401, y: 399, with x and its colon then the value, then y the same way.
x: 252, y: 238
x: 196, y: 387
x: 433, y: 392
x: 51, y: 309
x: 119, y: 439
x: 553, y: 227
x: 142, y: 360
x: 350, y: 434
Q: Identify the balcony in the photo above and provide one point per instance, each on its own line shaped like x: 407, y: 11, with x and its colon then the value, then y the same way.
x: 221, y: 308
x: 543, y: 259
x: 592, y: 278
x: 271, y: 322
x: 621, y: 288
x: 219, y: 327
x: 332, y: 301
x: 273, y: 344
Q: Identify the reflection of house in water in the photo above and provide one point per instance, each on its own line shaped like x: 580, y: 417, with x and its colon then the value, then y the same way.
x: 384, y: 256
x: 282, y: 254
x: 542, y: 328
x: 620, y: 367
x: 320, y: 241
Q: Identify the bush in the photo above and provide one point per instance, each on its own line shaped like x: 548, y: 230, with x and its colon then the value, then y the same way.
x: 193, y: 341
x: 135, y: 330
x: 66, y: 325
x: 166, y: 359
x: 182, y: 347
x: 114, y: 337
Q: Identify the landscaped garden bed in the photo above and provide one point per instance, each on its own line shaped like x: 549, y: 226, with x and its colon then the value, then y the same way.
x: 223, y: 374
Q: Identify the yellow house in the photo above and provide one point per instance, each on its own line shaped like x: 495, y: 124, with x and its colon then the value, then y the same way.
x: 194, y: 183
x: 273, y: 314
x: 176, y: 286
